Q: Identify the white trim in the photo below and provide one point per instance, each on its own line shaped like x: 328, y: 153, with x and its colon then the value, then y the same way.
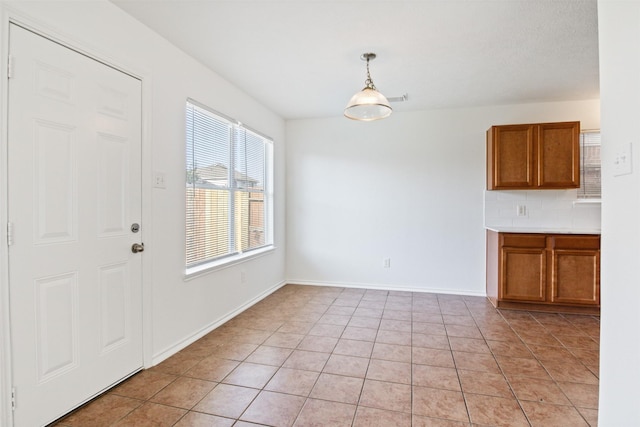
x: 229, y: 119
x: 385, y: 287
x: 220, y: 138
x: 226, y: 262
x: 587, y: 202
x: 9, y: 16
x: 6, y: 414
x: 147, y: 218
x: 71, y: 42
x: 170, y: 351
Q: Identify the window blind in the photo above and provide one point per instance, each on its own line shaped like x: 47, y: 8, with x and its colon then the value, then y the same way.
x: 226, y: 176
x: 590, y: 165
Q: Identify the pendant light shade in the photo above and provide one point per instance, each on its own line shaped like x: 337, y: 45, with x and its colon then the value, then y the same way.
x: 368, y: 104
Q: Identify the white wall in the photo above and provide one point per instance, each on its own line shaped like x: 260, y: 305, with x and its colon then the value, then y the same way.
x: 179, y: 309
x: 409, y: 188
x: 619, y: 32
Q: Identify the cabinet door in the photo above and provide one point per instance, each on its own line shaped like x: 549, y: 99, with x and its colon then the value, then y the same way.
x: 558, y: 152
x: 510, y: 157
x: 523, y: 275
x: 575, y: 276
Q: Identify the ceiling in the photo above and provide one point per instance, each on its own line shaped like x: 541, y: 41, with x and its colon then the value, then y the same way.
x: 301, y: 58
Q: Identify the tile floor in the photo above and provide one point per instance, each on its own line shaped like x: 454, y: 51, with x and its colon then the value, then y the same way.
x: 322, y: 356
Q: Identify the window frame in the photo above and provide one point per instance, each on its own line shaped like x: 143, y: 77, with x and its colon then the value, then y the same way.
x: 236, y: 253
x: 583, y: 194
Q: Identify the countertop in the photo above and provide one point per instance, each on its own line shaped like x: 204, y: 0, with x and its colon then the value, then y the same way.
x: 545, y: 230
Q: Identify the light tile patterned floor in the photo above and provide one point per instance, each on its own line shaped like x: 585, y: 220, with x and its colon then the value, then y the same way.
x: 323, y: 356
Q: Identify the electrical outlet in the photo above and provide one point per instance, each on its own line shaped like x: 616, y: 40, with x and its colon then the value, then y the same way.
x: 521, y: 210
x: 386, y: 262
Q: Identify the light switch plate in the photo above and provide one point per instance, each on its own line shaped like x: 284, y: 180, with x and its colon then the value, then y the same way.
x: 622, y: 161
x: 159, y: 180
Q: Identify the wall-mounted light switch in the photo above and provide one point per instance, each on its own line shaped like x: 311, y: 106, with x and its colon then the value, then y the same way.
x: 622, y: 161
x: 158, y: 180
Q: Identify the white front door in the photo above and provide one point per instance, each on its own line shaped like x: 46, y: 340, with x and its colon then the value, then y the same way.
x: 74, y: 184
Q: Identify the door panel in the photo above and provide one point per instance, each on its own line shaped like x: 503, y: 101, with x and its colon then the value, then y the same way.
x: 576, y: 276
x: 559, y: 154
x: 513, y: 150
x: 112, y: 188
x: 54, y: 175
x: 57, y: 322
x: 523, y: 276
x: 74, y: 189
x: 115, y: 307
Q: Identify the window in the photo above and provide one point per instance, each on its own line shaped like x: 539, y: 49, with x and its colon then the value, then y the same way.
x: 228, y: 188
x: 589, y: 165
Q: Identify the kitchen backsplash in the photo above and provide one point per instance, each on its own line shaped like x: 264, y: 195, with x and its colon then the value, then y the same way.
x: 540, y: 209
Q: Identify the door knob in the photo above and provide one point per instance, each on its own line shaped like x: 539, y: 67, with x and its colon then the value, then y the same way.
x: 137, y: 247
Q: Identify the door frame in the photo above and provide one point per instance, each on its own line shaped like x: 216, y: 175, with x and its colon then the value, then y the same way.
x: 8, y: 17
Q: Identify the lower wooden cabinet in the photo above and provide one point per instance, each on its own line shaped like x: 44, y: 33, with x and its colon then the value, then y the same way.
x: 550, y: 272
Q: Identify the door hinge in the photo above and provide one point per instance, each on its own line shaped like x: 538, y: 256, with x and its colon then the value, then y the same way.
x: 9, y: 233
x: 10, y: 67
x: 13, y: 399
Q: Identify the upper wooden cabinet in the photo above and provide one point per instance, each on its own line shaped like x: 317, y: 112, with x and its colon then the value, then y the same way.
x: 533, y: 156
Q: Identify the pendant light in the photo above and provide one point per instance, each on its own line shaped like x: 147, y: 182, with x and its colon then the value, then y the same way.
x: 368, y: 104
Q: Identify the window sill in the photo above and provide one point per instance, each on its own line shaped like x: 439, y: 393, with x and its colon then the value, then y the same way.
x: 201, y: 270
x: 587, y: 202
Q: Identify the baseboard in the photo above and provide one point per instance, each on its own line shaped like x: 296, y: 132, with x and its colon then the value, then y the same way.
x: 384, y: 287
x: 168, y: 352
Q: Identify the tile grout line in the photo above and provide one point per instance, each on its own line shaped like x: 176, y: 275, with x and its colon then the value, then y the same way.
x: 263, y: 322
x: 540, y: 362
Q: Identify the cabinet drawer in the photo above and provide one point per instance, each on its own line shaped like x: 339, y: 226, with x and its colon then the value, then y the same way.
x: 517, y: 240
x: 576, y: 242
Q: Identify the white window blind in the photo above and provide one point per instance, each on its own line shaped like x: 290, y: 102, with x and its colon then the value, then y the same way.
x: 227, y: 187
x: 590, y: 165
